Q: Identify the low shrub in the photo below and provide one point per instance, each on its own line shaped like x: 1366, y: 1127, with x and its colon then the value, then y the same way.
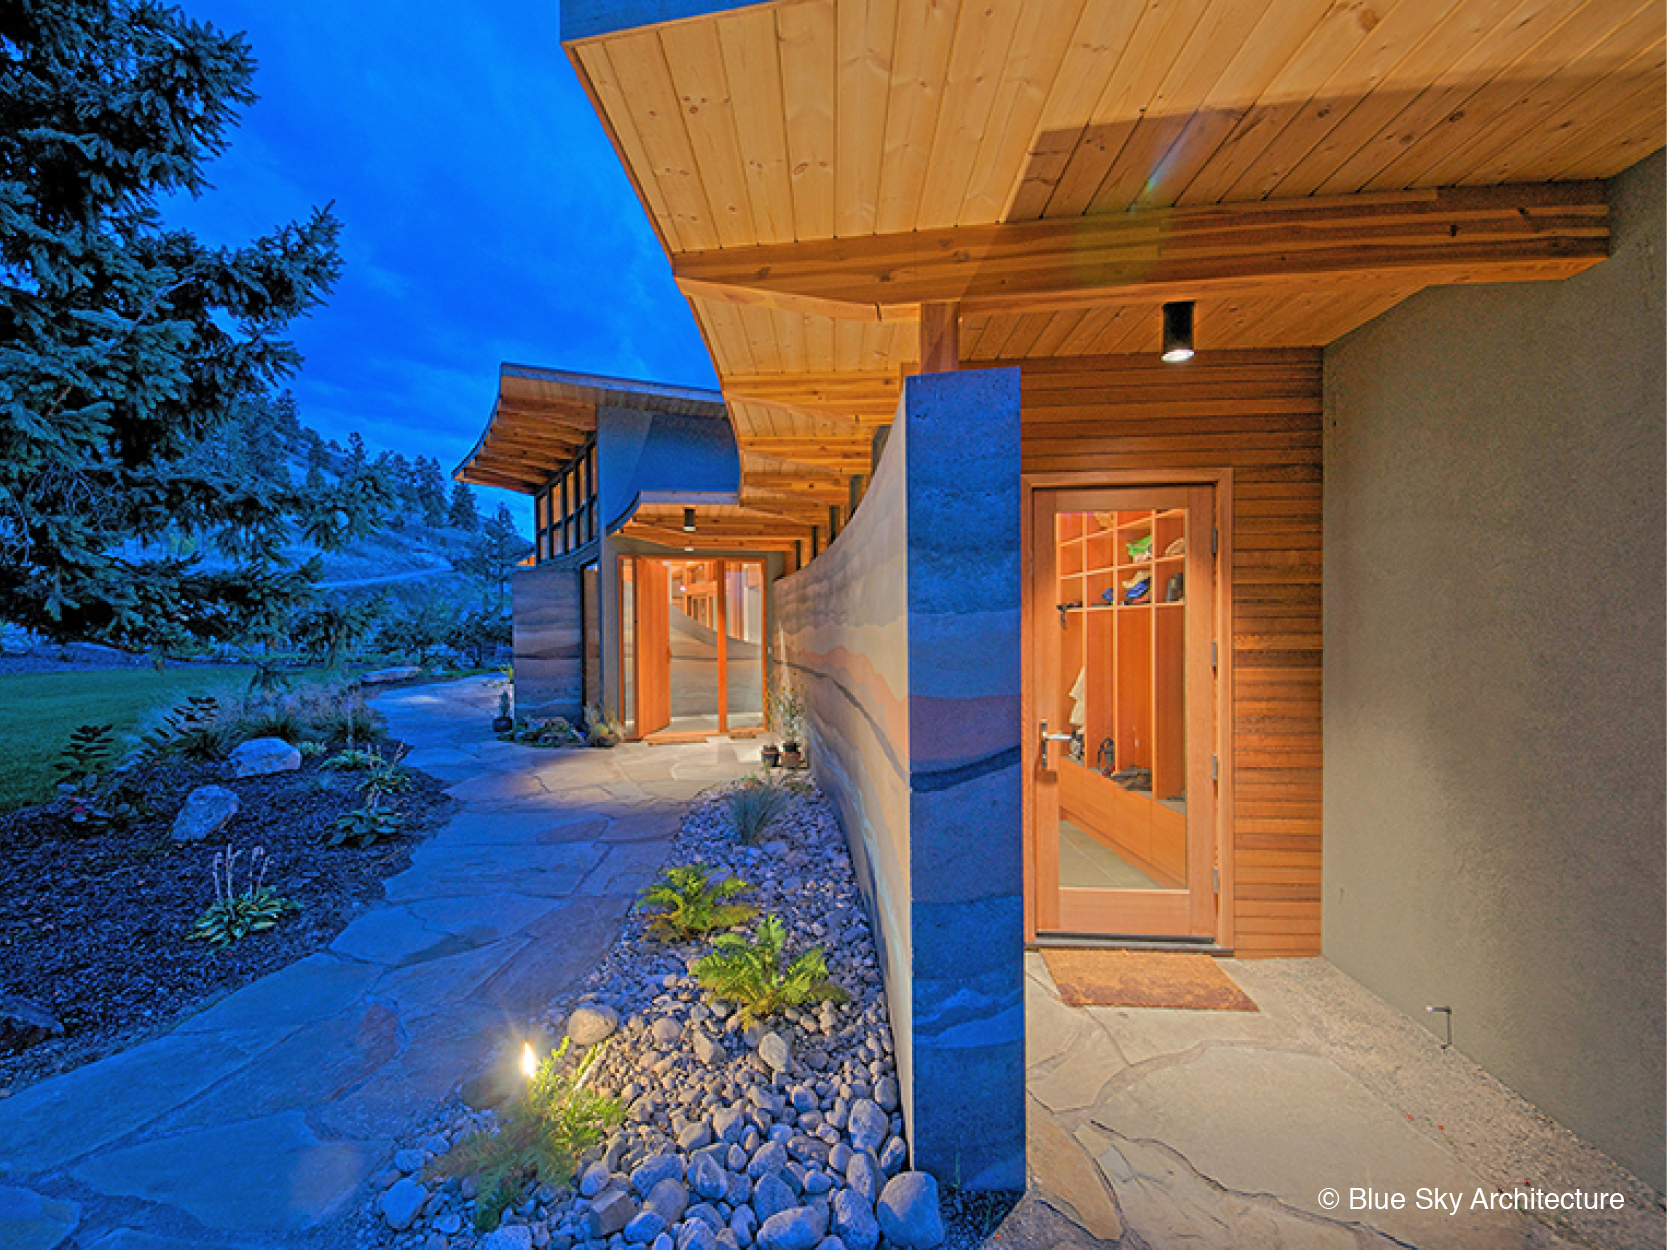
x: 688, y: 903
x: 553, y: 1121
x: 749, y: 973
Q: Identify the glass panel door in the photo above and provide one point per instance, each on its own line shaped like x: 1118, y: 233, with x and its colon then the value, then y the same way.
x: 1123, y: 787
x: 744, y: 644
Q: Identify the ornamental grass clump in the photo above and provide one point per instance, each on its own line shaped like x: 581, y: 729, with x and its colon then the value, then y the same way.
x: 749, y: 973
x: 235, y: 913
x: 753, y: 806
x: 553, y: 1121
x: 688, y: 903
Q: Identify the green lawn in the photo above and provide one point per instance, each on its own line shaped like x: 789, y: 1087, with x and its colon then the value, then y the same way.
x: 38, y: 711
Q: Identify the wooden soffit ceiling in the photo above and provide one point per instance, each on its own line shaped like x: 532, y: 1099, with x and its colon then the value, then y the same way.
x: 817, y: 168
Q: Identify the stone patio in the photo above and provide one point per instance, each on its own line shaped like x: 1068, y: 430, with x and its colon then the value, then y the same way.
x: 260, y: 1121
x: 1156, y: 1128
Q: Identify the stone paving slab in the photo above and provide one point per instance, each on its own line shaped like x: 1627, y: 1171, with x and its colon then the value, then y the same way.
x: 65, y: 1117
x: 272, y: 1173
x: 31, y: 1221
x: 312, y: 989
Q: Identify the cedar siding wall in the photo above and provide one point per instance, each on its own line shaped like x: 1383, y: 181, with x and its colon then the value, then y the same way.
x: 1258, y: 414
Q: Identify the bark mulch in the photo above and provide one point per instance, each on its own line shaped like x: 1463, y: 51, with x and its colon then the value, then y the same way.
x: 93, y: 926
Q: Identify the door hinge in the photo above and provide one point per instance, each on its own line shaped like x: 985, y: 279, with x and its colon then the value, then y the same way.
x: 1215, y: 768
x: 1215, y: 654
x: 1215, y: 877
x: 1215, y: 542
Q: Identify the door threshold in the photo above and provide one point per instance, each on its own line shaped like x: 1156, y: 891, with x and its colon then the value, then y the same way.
x: 1128, y: 942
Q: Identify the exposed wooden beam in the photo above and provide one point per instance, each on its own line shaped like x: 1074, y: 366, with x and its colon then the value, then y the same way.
x: 940, y: 337
x: 1451, y: 235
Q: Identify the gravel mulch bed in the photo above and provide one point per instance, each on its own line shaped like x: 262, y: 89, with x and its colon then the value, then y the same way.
x: 94, y: 926
x: 778, y: 1134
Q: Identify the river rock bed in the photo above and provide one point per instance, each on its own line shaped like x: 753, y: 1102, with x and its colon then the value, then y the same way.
x: 784, y: 1135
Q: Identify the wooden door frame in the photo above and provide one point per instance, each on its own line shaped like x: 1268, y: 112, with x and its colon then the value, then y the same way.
x: 1110, y: 479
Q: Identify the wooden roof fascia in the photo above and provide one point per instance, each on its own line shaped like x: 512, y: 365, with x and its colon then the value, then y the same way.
x: 1446, y: 235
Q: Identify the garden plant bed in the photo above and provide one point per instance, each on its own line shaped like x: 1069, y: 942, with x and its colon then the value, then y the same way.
x: 725, y: 1126
x: 95, y: 928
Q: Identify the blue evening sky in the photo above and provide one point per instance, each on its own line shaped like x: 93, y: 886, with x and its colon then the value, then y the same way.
x: 486, y: 217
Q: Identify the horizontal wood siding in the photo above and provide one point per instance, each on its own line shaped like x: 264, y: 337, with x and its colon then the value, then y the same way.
x: 1258, y: 414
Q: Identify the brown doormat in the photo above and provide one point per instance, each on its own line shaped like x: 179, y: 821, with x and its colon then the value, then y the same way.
x: 1144, y: 979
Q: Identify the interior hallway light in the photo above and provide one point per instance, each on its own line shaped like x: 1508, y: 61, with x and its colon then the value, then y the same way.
x: 688, y: 520
x: 1177, y: 331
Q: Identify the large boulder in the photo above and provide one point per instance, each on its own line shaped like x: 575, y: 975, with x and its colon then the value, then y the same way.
x: 381, y: 676
x: 908, y: 1211
x: 24, y: 1024
x: 207, y: 810
x: 260, y: 756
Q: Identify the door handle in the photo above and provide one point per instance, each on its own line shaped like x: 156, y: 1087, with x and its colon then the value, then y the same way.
x: 1044, y: 737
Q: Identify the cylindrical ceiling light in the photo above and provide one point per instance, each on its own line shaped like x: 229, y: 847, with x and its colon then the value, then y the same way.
x: 1177, y: 331
x: 688, y: 520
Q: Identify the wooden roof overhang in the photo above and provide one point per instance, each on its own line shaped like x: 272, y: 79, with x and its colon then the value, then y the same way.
x: 544, y: 417
x: 836, y: 180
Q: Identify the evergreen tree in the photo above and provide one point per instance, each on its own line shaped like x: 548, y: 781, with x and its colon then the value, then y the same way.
x: 463, y: 513
x: 125, y: 345
x: 431, y: 492
x: 492, y: 556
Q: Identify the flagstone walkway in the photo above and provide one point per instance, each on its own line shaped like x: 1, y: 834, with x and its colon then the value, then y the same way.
x: 266, y: 1115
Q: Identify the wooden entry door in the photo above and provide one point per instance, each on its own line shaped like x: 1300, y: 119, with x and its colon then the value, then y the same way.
x: 1122, y: 751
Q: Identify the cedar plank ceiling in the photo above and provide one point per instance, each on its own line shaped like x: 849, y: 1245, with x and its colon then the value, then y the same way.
x: 794, y: 122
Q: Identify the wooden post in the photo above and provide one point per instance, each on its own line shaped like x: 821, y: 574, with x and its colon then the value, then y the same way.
x: 940, y: 337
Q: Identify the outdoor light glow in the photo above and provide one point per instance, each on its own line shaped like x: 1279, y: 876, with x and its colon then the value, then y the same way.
x: 1177, y: 331
x: 529, y: 1060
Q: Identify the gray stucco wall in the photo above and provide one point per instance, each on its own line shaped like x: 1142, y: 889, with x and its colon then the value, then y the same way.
x: 903, y: 638
x: 1494, y: 695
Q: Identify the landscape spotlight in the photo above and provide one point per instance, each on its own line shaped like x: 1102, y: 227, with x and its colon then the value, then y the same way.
x: 1177, y: 331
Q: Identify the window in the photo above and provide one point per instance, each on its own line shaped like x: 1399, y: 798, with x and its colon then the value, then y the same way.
x: 565, y: 510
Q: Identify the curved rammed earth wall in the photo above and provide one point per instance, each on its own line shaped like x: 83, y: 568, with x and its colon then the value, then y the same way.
x: 904, y: 638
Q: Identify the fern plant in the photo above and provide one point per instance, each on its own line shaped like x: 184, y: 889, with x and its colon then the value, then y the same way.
x: 752, y: 808
x: 553, y: 1121
x: 190, y: 731
x: 689, y: 903
x: 364, y: 827
x: 86, y: 757
x: 749, y: 973
x: 236, y: 913
x: 93, y: 796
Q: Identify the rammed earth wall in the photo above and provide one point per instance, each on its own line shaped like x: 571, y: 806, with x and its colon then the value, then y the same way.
x: 904, y: 639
